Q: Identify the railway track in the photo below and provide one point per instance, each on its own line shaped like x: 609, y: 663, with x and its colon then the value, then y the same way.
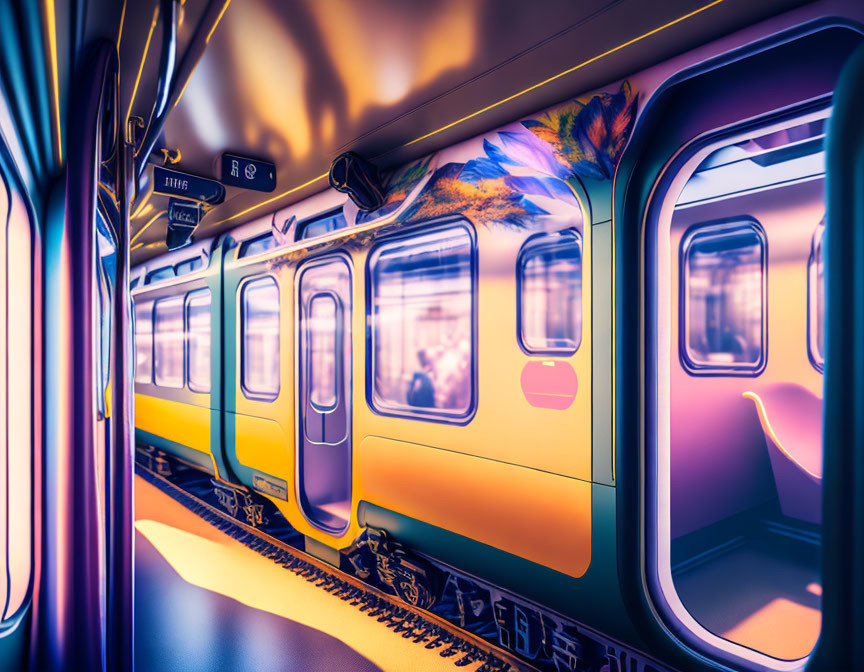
x: 417, y: 624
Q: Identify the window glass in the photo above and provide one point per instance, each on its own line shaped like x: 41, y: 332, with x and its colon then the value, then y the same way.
x: 258, y: 245
x: 144, y: 342
x: 160, y: 274
x: 321, y: 225
x: 816, y: 300
x: 323, y: 331
x: 189, y: 265
x: 168, y: 341
x: 724, y: 296
x: 198, y: 340
x: 260, y: 301
x: 550, y: 281
x: 423, y: 327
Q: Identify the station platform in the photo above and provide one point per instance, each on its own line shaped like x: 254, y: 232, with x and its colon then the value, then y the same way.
x: 206, y: 602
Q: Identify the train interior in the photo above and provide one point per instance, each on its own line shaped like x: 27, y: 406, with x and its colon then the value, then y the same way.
x: 746, y: 389
x: 323, y: 335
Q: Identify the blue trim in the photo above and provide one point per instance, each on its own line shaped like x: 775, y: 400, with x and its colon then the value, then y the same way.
x: 430, y: 226
x: 520, y: 270
x: 732, y: 225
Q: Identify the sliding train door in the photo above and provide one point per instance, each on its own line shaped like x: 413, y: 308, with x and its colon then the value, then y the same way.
x: 720, y: 249
x: 323, y: 325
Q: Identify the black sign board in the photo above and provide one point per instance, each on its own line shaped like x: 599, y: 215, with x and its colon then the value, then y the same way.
x: 175, y: 183
x: 238, y: 171
x: 183, y: 218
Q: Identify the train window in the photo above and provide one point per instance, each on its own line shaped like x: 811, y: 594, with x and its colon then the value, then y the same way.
x: 423, y: 328
x: 133, y: 283
x: 318, y: 226
x: 17, y: 419
x: 723, y: 289
x: 816, y: 300
x: 550, y: 293
x: 198, y: 340
x: 168, y: 342
x: 143, y: 341
x: 738, y: 432
x: 160, y: 274
x: 323, y: 325
x: 189, y: 266
x: 258, y: 245
x: 260, y: 336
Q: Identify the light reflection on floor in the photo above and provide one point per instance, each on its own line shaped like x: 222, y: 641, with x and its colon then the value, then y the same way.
x: 206, y: 602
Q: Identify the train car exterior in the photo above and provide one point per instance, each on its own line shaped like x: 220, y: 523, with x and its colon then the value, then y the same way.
x: 570, y: 373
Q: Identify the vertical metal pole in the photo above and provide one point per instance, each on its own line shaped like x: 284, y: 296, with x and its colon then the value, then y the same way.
x: 121, y: 556
x: 71, y: 632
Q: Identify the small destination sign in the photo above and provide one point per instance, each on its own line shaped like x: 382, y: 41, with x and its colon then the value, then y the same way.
x: 175, y: 183
x: 239, y: 171
x: 184, y: 212
x: 183, y: 218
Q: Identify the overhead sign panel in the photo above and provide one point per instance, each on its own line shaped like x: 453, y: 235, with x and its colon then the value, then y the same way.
x: 239, y: 171
x: 184, y: 185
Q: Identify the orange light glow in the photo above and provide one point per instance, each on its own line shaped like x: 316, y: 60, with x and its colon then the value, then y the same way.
x: 782, y: 628
x: 240, y: 573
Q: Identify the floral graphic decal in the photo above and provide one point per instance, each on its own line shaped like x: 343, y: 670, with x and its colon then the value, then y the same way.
x: 534, y: 158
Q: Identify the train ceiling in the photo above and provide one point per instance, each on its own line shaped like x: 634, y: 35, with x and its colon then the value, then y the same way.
x: 299, y: 82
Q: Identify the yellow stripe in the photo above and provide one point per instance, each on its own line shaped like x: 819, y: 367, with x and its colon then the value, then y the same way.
x: 218, y: 19
x: 141, y: 65
x: 120, y: 31
x: 566, y: 72
x: 51, y: 30
x: 494, y: 105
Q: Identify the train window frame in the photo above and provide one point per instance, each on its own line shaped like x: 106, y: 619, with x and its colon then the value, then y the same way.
x: 719, y: 228
x: 338, y: 350
x: 248, y: 247
x: 655, y: 555
x: 159, y: 274
x: 535, y: 245
x: 252, y: 281
x: 188, y: 266
x: 20, y: 297
x: 423, y: 229
x: 187, y: 301
x: 817, y: 358
x: 181, y: 299
x: 149, y: 380
x: 304, y: 226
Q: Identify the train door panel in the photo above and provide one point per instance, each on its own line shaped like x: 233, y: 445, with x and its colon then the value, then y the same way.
x: 324, y: 360
x: 258, y: 417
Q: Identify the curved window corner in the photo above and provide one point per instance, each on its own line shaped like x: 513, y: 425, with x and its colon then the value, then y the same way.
x: 723, y: 298
x: 423, y: 325
x: 549, y: 290
x: 259, y: 310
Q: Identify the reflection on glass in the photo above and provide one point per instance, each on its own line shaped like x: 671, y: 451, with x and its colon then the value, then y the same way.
x: 551, y: 293
x: 321, y: 225
x: 258, y: 245
x: 144, y: 342
x: 423, y: 326
x: 168, y: 337
x: 725, y: 290
x: 816, y: 272
x: 198, y: 340
x: 260, y: 301
x: 323, y: 328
